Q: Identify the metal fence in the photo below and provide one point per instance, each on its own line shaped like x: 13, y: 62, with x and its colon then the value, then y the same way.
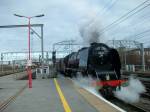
x: 7, y: 67
x: 135, y: 68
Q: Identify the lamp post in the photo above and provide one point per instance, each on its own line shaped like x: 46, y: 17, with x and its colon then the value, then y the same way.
x: 29, y: 63
x: 2, y: 61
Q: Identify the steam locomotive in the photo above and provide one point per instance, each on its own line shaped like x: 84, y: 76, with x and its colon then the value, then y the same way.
x: 99, y: 61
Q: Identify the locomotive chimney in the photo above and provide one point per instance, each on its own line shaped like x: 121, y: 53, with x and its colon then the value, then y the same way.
x: 94, y: 43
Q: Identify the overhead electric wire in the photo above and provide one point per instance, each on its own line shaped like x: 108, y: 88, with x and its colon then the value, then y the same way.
x: 147, y: 31
x: 146, y: 42
x: 136, y: 24
x: 141, y: 21
x: 104, y: 8
x: 101, y: 12
x: 130, y: 14
x: 113, y: 3
x: 134, y: 13
x: 127, y: 15
x: 109, y: 6
x: 129, y: 37
x: 136, y: 35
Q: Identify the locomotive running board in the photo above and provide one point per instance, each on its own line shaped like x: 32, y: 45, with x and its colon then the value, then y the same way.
x: 106, y: 72
x: 107, y: 75
x: 75, y: 70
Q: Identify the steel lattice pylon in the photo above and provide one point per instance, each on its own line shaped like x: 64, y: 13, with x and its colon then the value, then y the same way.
x: 126, y: 45
x: 66, y: 47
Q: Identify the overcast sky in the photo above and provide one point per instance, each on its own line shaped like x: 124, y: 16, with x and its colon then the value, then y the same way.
x: 64, y: 18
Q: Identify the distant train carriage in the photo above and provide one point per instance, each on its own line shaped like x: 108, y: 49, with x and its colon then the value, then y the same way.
x: 60, y: 65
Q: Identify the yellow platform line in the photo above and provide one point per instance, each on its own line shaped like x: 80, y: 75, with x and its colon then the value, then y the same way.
x: 62, y: 97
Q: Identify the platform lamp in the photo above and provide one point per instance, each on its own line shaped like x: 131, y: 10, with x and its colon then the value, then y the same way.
x: 29, y: 63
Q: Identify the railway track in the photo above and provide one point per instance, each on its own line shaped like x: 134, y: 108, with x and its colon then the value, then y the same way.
x: 5, y: 104
x: 144, y: 104
x: 145, y: 81
x: 148, y: 90
x: 139, y: 74
x: 128, y: 107
x: 9, y: 73
x: 146, y: 95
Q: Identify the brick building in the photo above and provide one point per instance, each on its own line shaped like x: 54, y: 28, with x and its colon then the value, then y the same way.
x: 133, y: 57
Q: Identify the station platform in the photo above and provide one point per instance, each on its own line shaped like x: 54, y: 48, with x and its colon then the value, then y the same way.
x: 10, y: 86
x: 54, y: 95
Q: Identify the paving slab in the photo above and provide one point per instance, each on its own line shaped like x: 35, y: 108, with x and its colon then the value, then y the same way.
x: 9, y: 86
x: 43, y: 97
x: 76, y: 101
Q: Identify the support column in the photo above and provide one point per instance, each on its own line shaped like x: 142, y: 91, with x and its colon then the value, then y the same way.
x: 2, y: 62
x: 42, y: 49
x: 142, y: 57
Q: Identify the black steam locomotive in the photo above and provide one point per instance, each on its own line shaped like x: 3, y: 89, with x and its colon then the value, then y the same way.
x: 99, y: 61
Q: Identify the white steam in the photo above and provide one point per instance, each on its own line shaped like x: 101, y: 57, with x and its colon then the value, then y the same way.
x: 82, y: 81
x: 91, y: 31
x: 128, y: 94
x: 85, y: 82
x: 131, y: 93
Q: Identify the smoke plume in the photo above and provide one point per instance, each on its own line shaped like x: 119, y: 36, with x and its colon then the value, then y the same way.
x: 131, y: 93
x: 91, y: 31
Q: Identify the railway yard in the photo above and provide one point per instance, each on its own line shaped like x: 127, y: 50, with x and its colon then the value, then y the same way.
x: 74, y: 56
